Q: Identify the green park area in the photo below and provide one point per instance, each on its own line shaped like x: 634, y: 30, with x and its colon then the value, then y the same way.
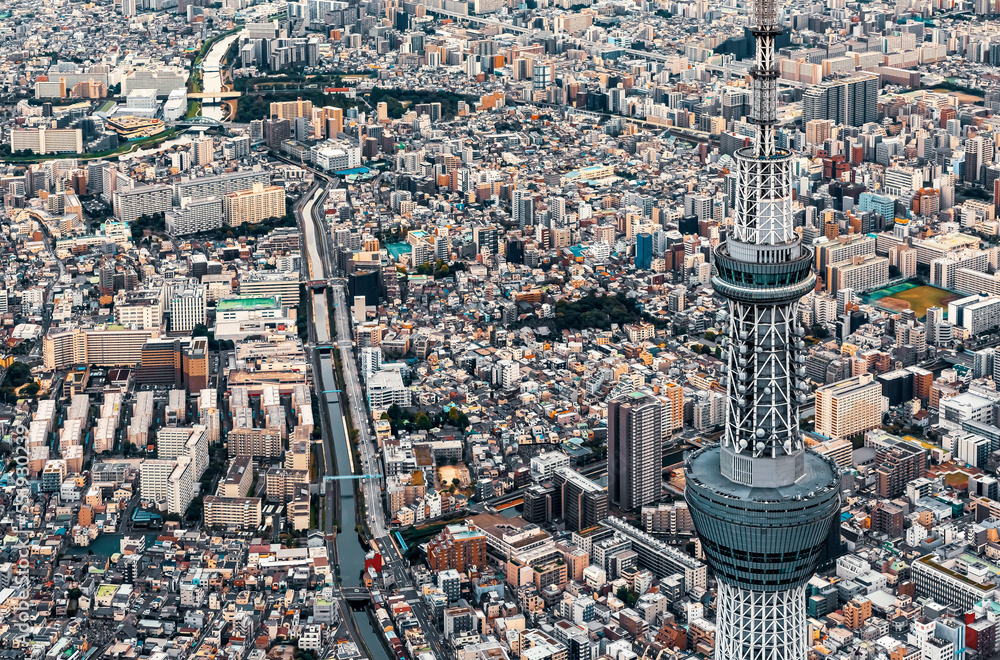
x: 910, y: 295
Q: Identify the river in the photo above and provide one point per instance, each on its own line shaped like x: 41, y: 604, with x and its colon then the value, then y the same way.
x: 211, y: 74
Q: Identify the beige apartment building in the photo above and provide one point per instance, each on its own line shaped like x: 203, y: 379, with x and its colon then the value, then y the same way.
x: 849, y: 407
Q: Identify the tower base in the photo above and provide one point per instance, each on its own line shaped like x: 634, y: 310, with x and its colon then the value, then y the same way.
x: 760, y: 625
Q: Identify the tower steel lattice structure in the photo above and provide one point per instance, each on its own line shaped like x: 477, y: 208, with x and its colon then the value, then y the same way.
x: 761, y: 502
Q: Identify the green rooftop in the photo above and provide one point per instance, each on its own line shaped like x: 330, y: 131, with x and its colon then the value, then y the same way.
x: 231, y: 304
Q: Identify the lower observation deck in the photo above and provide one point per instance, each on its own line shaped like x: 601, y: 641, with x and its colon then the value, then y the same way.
x: 762, y: 539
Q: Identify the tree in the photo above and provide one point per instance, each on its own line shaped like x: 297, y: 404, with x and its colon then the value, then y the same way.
x: 456, y: 482
x: 422, y: 421
x: 453, y: 414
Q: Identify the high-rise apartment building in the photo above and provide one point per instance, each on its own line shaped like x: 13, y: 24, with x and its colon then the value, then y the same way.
x: 897, y: 463
x: 291, y: 109
x: 254, y: 205
x: 47, y: 140
x: 849, y: 407
x: 672, y: 396
x: 852, y: 101
x: 141, y: 201
x: 584, y: 502
x: 635, y: 446
x: 860, y: 274
x: 458, y: 547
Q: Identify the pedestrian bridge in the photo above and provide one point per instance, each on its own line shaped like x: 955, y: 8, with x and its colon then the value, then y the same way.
x: 214, y: 95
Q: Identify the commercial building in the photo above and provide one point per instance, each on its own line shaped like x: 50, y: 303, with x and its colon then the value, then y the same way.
x: 386, y: 388
x: 175, y: 362
x: 271, y: 284
x: 241, y: 316
x: 162, y: 79
x: 187, y: 308
x: 635, y: 423
x: 946, y: 583
x: 848, y: 407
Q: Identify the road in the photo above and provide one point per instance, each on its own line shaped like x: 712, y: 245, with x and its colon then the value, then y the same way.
x: 50, y: 295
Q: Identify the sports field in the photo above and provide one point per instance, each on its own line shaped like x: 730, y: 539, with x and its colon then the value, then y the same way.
x: 912, y: 296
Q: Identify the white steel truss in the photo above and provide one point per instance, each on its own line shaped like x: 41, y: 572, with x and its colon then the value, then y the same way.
x: 763, y: 199
x: 760, y: 625
x: 762, y: 419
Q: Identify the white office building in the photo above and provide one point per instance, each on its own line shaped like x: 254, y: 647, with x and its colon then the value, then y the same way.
x: 386, y: 388
x: 187, y: 308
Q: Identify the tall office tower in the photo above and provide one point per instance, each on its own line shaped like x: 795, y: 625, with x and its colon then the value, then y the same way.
x: 635, y: 449
x: 934, y: 318
x: 523, y: 208
x: 557, y: 212
x: 762, y: 504
x: 978, y: 152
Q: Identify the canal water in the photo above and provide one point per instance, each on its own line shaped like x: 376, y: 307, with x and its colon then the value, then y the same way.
x: 350, y: 550
x: 109, y: 544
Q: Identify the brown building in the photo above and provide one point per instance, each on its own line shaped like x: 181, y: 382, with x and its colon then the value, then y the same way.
x: 195, y: 364
x: 897, y: 465
x: 457, y: 546
x: 888, y: 519
x: 857, y: 612
x: 175, y: 362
